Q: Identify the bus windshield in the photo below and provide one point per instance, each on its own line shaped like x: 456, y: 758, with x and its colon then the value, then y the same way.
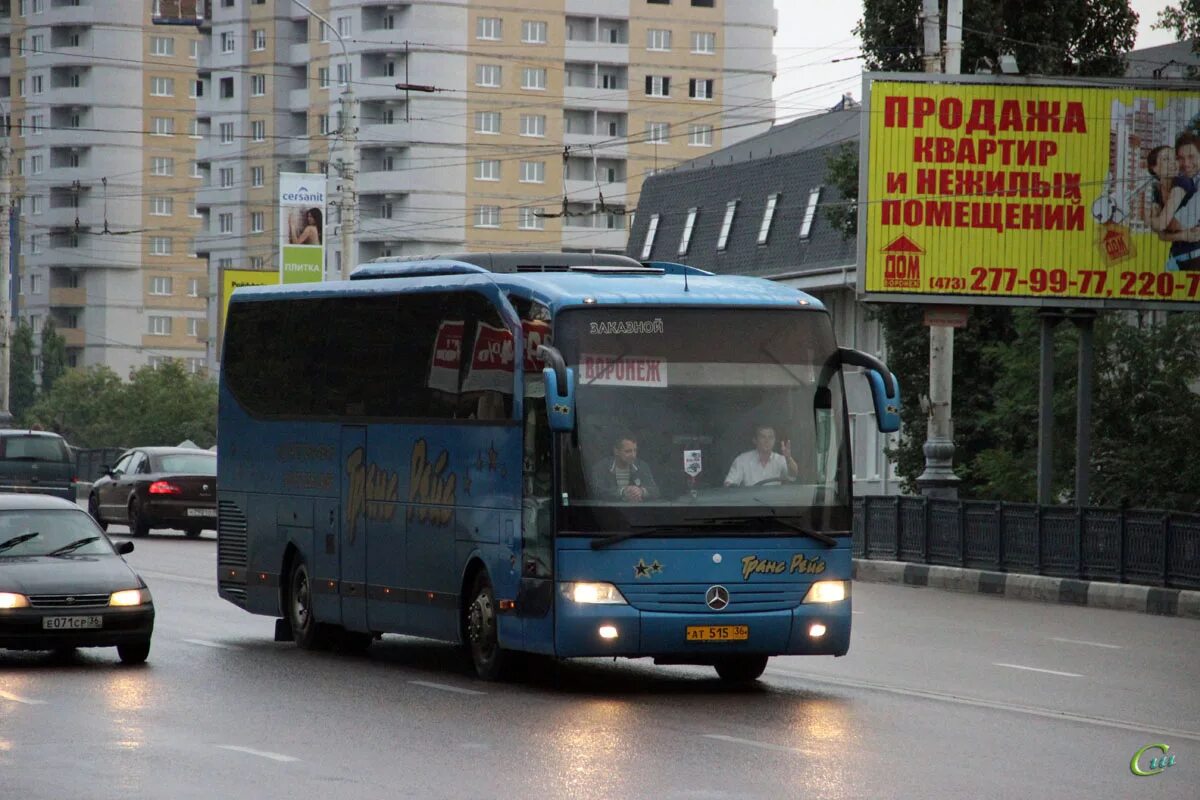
x: 703, y: 416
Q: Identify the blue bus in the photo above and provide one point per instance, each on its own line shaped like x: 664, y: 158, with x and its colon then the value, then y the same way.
x: 554, y: 453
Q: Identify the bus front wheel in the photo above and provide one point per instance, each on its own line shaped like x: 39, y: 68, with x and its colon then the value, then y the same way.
x: 483, y: 642
x: 308, y: 633
x: 741, y: 669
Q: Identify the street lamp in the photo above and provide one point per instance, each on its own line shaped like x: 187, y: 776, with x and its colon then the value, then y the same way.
x: 349, y: 140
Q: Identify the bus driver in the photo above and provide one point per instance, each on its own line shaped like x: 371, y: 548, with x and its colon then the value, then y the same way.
x: 763, y: 464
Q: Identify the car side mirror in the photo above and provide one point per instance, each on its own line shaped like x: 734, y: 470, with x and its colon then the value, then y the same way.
x: 560, y: 390
x: 105, y: 469
x: 125, y: 548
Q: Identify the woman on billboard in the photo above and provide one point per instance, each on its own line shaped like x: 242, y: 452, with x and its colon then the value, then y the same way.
x: 1178, y: 208
x: 307, y: 230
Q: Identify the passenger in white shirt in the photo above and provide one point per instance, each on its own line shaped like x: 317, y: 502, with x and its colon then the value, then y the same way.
x: 763, y: 463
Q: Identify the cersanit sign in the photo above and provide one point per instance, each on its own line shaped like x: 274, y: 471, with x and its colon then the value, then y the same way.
x: 302, y: 195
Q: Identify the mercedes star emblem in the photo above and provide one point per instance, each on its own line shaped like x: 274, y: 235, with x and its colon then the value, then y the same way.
x: 717, y: 597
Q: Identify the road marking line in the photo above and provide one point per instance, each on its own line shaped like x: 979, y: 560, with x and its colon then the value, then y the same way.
x: 752, y: 743
x: 1089, y: 644
x: 858, y: 612
x: 446, y: 688
x: 206, y: 643
x: 1036, y: 669
x: 171, y: 576
x: 19, y: 699
x: 259, y: 753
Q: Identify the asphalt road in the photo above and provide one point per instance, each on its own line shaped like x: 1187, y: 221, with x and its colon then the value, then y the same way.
x: 943, y: 695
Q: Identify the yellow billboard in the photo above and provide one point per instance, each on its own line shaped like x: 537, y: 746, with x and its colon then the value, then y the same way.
x: 1031, y: 193
x: 236, y: 278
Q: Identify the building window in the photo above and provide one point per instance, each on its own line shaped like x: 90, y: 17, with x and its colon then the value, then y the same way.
x: 228, y: 42
x: 225, y: 223
x: 258, y: 130
x: 227, y: 89
x: 161, y: 285
x: 701, y: 88
x: 533, y: 125
x: 256, y: 222
x: 226, y: 177
x: 727, y: 224
x: 764, y: 230
x: 323, y: 124
x: 658, y: 39
x: 487, y: 170
x: 196, y: 366
x: 226, y: 129
x: 658, y: 86
x: 194, y: 170
x: 702, y: 3
x: 193, y: 287
x: 35, y: 204
x: 194, y: 128
x: 686, y: 239
x: 194, y: 49
x: 323, y: 77
x: 162, y: 87
x: 704, y: 42
x: 385, y: 209
x: 194, y: 211
x: 658, y: 132
x: 36, y: 164
x: 37, y: 84
x: 533, y: 32
x: 344, y: 24
x: 487, y: 121
x: 195, y: 89
x: 488, y: 29
x: 162, y: 206
x: 530, y: 219
x: 487, y: 75
x: 193, y: 328
x: 160, y: 326
x: 35, y: 247
x: 810, y: 211
x: 700, y: 135
x: 487, y: 216
x: 344, y: 74
x: 533, y: 172
x: 256, y: 176
x: 258, y: 85
x: 260, y: 39
x: 651, y: 230
x: 162, y: 46
x: 160, y: 245
x: 533, y: 78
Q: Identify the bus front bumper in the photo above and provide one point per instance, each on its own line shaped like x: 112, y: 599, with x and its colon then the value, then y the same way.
x: 583, y: 630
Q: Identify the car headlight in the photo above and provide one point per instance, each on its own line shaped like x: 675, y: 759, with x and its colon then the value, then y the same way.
x: 827, y: 592
x: 13, y: 600
x: 129, y: 597
x: 593, y: 593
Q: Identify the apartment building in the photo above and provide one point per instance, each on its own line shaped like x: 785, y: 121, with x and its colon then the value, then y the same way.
x: 100, y: 154
x: 545, y: 116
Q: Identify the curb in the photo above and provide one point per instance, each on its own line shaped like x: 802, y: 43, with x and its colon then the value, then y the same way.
x: 1037, y: 588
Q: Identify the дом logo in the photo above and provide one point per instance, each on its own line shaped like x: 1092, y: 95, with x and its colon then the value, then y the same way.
x: 902, y: 268
x: 302, y: 195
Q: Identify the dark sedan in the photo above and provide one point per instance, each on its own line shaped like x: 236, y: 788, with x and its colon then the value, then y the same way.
x: 158, y: 487
x: 64, y: 585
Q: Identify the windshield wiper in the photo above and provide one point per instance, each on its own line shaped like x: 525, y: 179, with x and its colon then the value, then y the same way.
x: 16, y: 540
x: 823, y: 538
x: 640, y: 530
x: 73, y: 546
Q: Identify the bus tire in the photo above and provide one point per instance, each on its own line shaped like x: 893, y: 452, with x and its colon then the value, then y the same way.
x: 741, y: 669
x: 491, y: 661
x: 308, y: 633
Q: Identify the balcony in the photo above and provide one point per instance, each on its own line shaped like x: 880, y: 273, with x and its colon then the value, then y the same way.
x: 78, y: 16
x: 613, y: 146
x: 598, y: 51
x: 207, y: 196
x: 584, y: 191
x: 74, y: 337
x: 595, y: 98
x: 298, y: 53
x: 386, y: 182
x: 75, y: 297
x: 299, y: 99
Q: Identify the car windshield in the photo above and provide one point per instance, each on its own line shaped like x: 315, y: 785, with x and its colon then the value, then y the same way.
x: 713, y: 415
x: 187, y: 464
x: 34, y: 448
x: 52, y: 529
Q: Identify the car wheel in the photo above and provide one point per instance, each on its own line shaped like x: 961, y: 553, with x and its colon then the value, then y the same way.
x: 138, y: 524
x: 94, y: 510
x: 741, y: 669
x: 134, y: 653
x: 306, y: 630
x: 491, y: 661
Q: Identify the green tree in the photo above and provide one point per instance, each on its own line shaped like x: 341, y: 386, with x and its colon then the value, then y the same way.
x: 21, y: 385
x: 1182, y: 18
x: 86, y: 406
x: 166, y: 405
x: 54, y: 355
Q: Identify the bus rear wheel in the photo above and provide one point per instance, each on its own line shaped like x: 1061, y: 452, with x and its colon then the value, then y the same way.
x: 741, y: 669
x: 308, y: 633
x: 491, y: 662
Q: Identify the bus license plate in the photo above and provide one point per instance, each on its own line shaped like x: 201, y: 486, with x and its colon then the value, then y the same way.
x: 718, y: 633
x: 71, y: 623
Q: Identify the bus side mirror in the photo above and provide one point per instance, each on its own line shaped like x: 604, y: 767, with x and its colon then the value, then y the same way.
x: 885, y: 389
x: 560, y: 389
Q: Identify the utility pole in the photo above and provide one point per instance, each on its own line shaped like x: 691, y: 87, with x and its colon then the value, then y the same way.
x: 6, y: 310
x: 938, y: 480
x: 348, y: 133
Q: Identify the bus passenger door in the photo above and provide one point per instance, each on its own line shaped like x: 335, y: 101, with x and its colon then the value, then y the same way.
x: 535, y: 595
x: 353, y: 539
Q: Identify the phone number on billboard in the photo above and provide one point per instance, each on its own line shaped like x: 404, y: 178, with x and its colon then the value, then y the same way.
x: 1086, y: 283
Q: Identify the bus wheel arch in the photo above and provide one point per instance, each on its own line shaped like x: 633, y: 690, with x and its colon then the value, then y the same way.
x: 308, y: 632
x: 480, y: 627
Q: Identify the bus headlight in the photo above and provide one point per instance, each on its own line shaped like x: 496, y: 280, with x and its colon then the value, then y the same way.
x: 593, y: 593
x: 13, y: 600
x: 129, y: 597
x: 827, y: 592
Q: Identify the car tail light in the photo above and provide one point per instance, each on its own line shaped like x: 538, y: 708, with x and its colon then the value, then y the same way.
x: 164, y: 487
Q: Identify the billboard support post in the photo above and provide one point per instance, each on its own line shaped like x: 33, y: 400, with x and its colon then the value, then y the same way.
x: 1045, y: 461
x: 1083, y: 413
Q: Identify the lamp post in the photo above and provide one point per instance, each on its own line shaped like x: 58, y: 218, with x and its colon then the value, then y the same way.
x: 349, y: 136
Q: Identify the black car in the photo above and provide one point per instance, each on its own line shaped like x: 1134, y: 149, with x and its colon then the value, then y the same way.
x: 158, y: 487
x: 64, y: 585
x: 36, y: 461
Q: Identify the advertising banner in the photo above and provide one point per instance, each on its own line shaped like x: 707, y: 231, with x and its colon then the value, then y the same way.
x: 974, y: 189
x: 301, y: 227
x: 235, y: 278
